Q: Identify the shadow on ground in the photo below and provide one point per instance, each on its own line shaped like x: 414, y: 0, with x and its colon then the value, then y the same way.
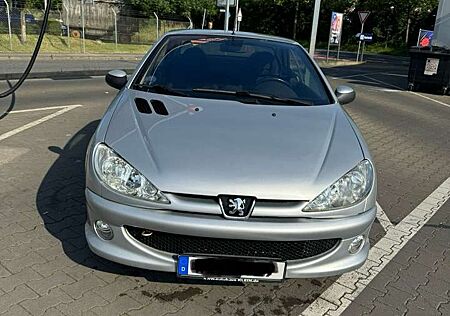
x: 61, y: 204
x: 8, y: 106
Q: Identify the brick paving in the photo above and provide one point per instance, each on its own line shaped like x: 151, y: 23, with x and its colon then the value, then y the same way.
x: 417, y: 280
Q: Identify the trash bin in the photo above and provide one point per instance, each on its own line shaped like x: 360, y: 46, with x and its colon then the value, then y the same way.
x: 429, y: 69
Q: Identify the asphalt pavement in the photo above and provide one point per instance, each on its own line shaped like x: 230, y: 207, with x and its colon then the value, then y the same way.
x: 46, y: 267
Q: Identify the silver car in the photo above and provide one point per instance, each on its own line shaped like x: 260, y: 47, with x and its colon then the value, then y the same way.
x: 227, y: 156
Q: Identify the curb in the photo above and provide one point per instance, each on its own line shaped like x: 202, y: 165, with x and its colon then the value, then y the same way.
x: 331, y: 64
x: 61, y: 74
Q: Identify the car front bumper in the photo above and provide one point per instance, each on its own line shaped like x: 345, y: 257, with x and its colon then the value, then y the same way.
x: 126, y: 250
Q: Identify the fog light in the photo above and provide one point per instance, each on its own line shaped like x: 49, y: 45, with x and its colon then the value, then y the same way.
x: 103, y: 230
x: 356, y: 244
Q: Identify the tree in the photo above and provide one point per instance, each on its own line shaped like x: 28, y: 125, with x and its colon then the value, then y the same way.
x: 173, y: 7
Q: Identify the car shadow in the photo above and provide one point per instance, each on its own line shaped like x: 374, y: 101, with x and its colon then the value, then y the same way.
x: 61, y: 203
x: 10, y: 105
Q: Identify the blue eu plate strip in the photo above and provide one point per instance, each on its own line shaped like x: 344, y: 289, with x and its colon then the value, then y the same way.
x: 183, y: 265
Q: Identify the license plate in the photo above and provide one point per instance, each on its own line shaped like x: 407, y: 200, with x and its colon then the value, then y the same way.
x: 230, y: 269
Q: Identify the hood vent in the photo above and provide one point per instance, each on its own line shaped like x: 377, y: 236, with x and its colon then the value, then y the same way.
x: 143, y: 106
x: 159, y: 107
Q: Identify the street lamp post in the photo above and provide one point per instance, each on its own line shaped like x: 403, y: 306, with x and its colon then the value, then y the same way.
x: 227, y: 15
x: 312, y: 43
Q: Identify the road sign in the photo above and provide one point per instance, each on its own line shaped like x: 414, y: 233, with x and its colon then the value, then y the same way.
x: 223, y: 3
x: 363, y: 16
x: 365, y: 37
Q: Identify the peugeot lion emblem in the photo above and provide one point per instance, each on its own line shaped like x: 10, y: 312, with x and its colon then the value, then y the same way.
x: 236, y: 207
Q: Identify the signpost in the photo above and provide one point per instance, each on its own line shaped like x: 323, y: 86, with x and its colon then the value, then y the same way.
x: 226, y: 4
x: 365, y: 38
x: 236, y: 16
x: 335, y: 32
x: 363, y: 15
x: 239, y: 19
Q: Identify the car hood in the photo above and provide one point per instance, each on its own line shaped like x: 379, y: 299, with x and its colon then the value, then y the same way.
x: 211, y: 147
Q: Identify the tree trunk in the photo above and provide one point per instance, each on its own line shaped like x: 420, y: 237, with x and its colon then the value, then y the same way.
x: 23, y: 27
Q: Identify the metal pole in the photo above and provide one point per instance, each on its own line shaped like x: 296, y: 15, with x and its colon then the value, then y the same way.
x: 82, y: 28
x: 204, y: 17
x: 339, y: 49
x: 191, y: 25
x: 115, y: 25
x: 45, y: 4
x: 359, y: 43
x: 157, y: 25
x: 239, y: 19
x: 67, y: 23
x: 312, y: 42
x: 328, y: 49
x: 227, y: 15
x: 362, y: 51
x: 9, y: 24
x: 236, y: 16
x: 418, y: 37
x: 329, y: 44
x: 407, y: 31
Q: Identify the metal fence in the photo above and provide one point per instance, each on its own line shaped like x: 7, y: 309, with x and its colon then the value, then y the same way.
x: 76, y: 28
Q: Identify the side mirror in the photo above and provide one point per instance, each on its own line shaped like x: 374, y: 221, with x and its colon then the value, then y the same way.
x: 345, y: 94
x: 116, y: 79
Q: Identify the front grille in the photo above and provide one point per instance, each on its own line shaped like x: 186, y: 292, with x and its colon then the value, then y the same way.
x: 184, y: 244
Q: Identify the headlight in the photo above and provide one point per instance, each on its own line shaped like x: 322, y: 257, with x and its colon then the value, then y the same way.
x: 349, y: 190
x: 117, y: 174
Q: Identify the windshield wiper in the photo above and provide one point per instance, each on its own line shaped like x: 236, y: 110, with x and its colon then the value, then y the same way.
x: 247, y: 94
x: 158, y: 89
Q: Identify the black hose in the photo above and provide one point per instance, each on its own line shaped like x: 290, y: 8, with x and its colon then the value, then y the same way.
x: 25, y: 74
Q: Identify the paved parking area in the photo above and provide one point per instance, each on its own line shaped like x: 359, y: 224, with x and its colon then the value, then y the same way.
x: 47, y: 269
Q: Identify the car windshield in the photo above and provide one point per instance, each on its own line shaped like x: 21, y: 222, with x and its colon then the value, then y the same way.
x: 230, y: 67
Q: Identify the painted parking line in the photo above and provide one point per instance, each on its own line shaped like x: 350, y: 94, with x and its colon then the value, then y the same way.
x: 383, y: 218
x: 37, y: 122
x: 336, y: 299
x: 394, y: 75
x: 355, y: 75
x: 412, y: 92
x: 47, y: 108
